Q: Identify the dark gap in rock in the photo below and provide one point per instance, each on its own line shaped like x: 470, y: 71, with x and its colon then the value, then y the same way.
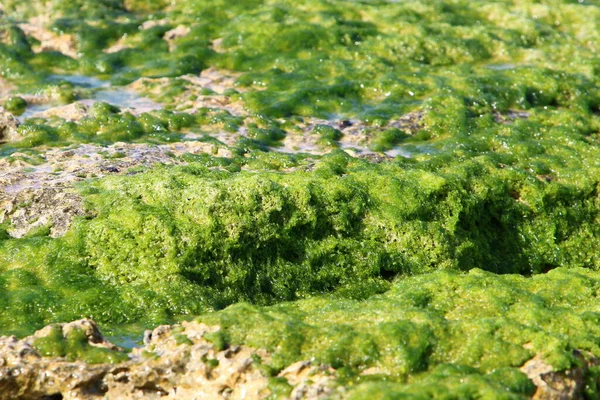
x: 56, y: 396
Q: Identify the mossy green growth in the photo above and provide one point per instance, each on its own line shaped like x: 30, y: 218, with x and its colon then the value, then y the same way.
x: 387, y: 139
x: 373, y: 60
x: 465, y: 334
x: 328, y: 135
x: 184, y: 240
x: 449, y: 381
x: 182, y: 339
x: 105, y: 124
x: 15, y: 104
x: 503, y: 177
x: 458, y: 63
x: 269, y: 136
x: 75, y: 346
x: 279, y: 388
x: 219, y: 339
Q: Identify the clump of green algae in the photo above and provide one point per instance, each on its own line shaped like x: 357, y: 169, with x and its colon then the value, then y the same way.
x: 429, y: 331
x: 74, y: 346
x: 509, y: 198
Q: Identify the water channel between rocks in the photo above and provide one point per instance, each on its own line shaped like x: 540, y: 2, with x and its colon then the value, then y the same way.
x: 102, y: 91
x: 127, y: 99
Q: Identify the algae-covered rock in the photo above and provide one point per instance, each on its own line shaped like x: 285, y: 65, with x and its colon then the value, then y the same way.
x: 71, y: 112
x: 196, y: 237
x: 404, y: 193
x: 15, y: 104
x: 74, y: 361
x: 441, y: 334
x: 40, y: 211
x: 8, y: 127
x: 561, y: 385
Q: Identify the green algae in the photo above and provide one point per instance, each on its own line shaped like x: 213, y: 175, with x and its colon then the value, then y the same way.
x: 451, y: 382
x: 441, y: 332
x: 374, y: 60
x: 105, y: 124
x: 75, y: 346
x: 503, y: 178
x: 388, y: 139
x: 328, y: 135
x: 191, y: 239
x: 15, y: 104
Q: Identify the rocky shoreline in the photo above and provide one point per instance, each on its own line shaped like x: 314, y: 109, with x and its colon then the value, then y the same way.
x: 355, y: 200
x: 175, y: 362
x: 191, y: 361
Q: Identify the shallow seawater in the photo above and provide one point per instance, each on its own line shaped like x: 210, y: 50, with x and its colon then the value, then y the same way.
x: 33, y: 109
x: 501, y: 67
x: 127, y: 99
x: 102, y: 91
x: 125, y: 342
x: 80, y: 80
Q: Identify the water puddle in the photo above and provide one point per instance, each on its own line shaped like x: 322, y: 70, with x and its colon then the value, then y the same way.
x: 501, y: 67
x: 405, y: 151
x: 102, y: 91
x: 355, y: 138
x: 34, y: 109
x: 402, y: 151
x: 124, y: 98
x: 126, y: 342
x: 81, y: 80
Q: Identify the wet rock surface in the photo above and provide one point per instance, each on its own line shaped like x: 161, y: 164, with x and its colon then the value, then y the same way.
x: 175, y: 362
x: 213, y: 89
x: 38, y: 192
x: 186, y: 361
x: 510, y: 116
x: 559, y: 385
x: 50, y: 210
x: 8, y: 127
x: 451, y: 75
x: 48, y: 40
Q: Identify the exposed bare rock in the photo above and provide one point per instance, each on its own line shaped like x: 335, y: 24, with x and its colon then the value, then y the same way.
x: 49, y: 41
x: 410, y: 123
x: 215, y: 81
x: 176, y: 362
x: 38, y: 193
x: 211, y: 89
x: 125, y: 42
x: 119, y: 45
x: 151, y: 23
x: 38, y: 98
x: 558, y: 385
x: 356, y: 135
x: 309, y: 381
x: 510, y: 116
x: 6, y: 88
x: 174, y: 34
x: 8, y: 127
x: 70, y: 112
x: 217, y: 45
x: 44, y: 208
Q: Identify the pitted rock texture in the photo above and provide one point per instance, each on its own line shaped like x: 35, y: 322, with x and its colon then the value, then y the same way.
x: 211, y: 90
x: 38, y: 191
x: 52, y: 209
x: 559, y: 385
x: 176, y: 362
x: 48, y: 40
x: 8, y: 127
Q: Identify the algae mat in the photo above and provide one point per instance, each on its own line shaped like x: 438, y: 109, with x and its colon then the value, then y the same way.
x: 404, y: 193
